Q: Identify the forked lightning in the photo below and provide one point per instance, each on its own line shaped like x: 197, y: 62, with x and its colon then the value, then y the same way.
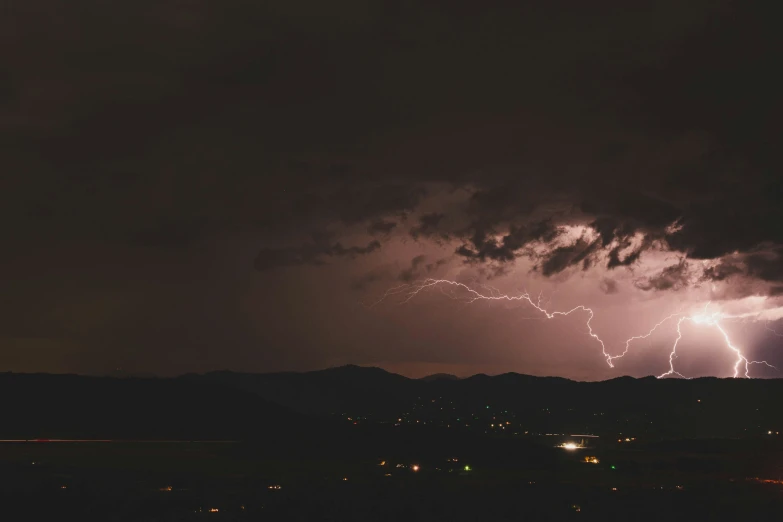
x: 470, y: 295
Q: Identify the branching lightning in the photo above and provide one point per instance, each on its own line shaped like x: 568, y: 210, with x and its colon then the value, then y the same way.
x: 714, y: 321
x: 470, y: 295
x: 774, y: 332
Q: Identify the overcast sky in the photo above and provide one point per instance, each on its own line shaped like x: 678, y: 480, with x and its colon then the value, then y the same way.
x: 189, y: 186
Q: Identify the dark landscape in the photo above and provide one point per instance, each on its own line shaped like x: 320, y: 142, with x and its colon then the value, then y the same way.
x: 391, y: 260
x: 355, y: 443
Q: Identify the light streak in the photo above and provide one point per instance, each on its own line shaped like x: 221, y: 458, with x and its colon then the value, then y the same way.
x: 711, y: 320
x: 450, y: 288
x: 774, y: 332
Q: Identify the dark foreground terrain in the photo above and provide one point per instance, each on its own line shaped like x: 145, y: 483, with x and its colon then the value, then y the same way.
x: 146, y: 481
x: 355, y: 444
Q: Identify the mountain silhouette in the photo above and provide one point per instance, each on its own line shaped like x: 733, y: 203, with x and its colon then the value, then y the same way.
x: 336, y: 404
x: 702, y: 407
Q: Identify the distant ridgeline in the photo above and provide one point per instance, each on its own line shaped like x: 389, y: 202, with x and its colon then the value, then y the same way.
x: 650, y: 407
x: 300, y: 407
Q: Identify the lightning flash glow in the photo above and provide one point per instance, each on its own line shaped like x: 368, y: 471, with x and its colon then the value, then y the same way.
x: 470, y: 295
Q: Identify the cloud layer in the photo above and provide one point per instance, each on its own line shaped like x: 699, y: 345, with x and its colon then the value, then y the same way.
x: 179, y: 154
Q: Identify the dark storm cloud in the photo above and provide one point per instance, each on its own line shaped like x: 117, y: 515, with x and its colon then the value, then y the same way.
x: 165, y: 234
x: 764, y: 263
x: 740, y: 217
x: 722, y: 271
x: 381, y: 227
x: 607, y: 228
x: 673, y: 277
x: 584, y: 252
x: 311, y: 254
x: 417, y: 269
x: 432, y: 267
x: 428, y: 225
x: 270, y: 88
x: 488, y: 249
x: 717, y: 81
x: 355, y: 204
x: 375, y: 275
x: 562, y: 257
x: 412, y: 272
x: 164, y: 131
x: 628, y: 209
x: 615, y: 259
x: 500, y: 205
x: 621, y: 214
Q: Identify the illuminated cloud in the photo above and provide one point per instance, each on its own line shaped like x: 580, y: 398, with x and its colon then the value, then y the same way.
x: 674, y: 277
x: 629, y: 162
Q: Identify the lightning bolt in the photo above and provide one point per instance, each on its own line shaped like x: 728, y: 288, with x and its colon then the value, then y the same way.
x: 774, y: 332
x: 714, y: 321
x: 470, y: 295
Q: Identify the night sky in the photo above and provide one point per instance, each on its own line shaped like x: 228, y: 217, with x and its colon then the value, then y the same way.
x: 198, y: 185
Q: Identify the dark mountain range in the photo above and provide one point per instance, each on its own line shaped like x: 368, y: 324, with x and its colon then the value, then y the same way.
x: 300, y: 407
x: 219, y: 407
x: 347, y: 389
x: 701, y: 407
